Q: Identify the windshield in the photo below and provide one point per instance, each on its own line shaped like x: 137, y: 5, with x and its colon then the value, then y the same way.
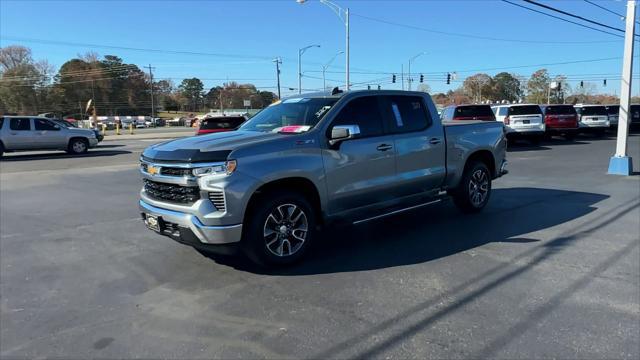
x: 473, y: 111
x: 594, y: 110
x: 525, y: 110
x: 560, y: 110
x: 613, y: 109
x: 290, y: 116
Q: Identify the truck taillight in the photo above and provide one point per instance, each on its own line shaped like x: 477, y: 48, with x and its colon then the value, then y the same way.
x: 506, y: 120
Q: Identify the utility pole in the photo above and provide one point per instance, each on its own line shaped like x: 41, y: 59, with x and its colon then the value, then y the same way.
x: 402, y: 75
x: 620, y: 163
x: 278, y: 61
x: 95, y: 112
x: 153, y: 116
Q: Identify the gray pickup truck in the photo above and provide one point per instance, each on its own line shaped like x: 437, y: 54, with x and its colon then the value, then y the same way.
x: 311, y: 160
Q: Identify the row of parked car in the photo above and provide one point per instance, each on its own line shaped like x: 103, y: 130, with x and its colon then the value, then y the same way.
x: 535, y: 122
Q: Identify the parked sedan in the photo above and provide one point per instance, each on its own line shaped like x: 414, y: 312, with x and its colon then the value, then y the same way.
x: 560, y: 120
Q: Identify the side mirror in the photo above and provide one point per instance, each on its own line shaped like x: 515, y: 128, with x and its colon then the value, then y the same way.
x: 341, y: 133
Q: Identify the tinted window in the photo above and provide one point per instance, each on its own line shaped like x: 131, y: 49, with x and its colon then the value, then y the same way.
x: 471, y: 111
x: 613, y: 109
x: 408, y: 113
x: 594, y: 110
x: 560, y: 110
x: 503, y: 111
x: 20, y: 124
x: 221, y: 123
x: 42, y: 124
x: 635, y: 112
x: 525, y: 110
x: 301, y: 112
x: 365, y: 113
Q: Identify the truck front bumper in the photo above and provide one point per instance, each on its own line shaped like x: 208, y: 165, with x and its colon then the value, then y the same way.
x: 187, y: 228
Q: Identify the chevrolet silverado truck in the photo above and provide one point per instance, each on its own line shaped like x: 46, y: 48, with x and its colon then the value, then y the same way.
x: 313, y: 160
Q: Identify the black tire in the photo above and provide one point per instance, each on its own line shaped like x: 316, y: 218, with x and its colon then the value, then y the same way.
x: 78, y: 146
x: 536, y: 140
x: 600, y: 133
x: 465, y: 197
x: 570, y: 136
x: 263, y: 249
x: 1, y: 150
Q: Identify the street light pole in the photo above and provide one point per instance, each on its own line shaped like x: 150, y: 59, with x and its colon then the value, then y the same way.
x: 324, y: 69
x: 410, y: 80
x: 343, y: 14
x: 300, y: 52
x: 621, y: 163
x: 278, y: 61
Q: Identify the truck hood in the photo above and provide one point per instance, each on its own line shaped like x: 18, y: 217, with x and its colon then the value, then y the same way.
x: 214, y: 147
x: 82, y: 132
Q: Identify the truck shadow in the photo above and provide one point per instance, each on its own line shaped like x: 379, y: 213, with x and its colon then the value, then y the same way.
x: 60, y: 155
x: 435, y: 232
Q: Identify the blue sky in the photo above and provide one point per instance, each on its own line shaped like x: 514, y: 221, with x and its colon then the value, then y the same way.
x: 253, y: 32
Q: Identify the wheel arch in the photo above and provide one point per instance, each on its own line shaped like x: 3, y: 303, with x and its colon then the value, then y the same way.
x: 484, y: 156
x: 301, y: 185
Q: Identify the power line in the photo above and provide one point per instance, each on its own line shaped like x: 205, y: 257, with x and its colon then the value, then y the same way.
x: 573, y: 15
x: 478, y: 36
x: 563, y: 19
x: 607, y: 10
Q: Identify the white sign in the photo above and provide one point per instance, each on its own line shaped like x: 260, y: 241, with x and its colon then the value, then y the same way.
x: 247, y: 103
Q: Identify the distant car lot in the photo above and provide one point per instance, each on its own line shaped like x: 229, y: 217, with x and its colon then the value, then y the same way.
x: 551, y: 265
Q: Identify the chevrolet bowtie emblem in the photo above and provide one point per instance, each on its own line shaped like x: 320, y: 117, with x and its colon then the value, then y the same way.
x: 153, y: 170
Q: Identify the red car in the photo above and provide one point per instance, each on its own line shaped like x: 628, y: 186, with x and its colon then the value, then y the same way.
x: 220, y: 124
x: 560, y: 120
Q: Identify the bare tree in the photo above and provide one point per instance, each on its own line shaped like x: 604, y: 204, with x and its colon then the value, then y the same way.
x: 14, y: 56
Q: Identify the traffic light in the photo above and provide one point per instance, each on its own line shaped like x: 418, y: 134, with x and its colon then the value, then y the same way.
x: 604, y: 83
x: 378, y: 86
x: 368, y: 87
x: 421, y: 78
x: 393, y: 78
x: 581, y: 84
x: 448, y: 78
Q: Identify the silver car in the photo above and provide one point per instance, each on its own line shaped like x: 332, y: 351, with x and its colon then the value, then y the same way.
x: 22, y: 133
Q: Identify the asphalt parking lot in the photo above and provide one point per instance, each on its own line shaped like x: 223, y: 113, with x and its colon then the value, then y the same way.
x: 550, y: 269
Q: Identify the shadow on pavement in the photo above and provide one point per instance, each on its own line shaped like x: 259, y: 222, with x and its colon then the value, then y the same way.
x: 517, y: 147
x: 435, y: 232
x: 61, y: 155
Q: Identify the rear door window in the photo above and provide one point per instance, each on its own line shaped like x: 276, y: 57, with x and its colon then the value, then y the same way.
x: 222, y: 123
x: 42, y: 124
x: 471, y: 111
x: 560, y: 110
x: 525, y: 110
x: 594, y: 110
x: 364, y: 112
x: 20, y: 124
x: 408, y: 114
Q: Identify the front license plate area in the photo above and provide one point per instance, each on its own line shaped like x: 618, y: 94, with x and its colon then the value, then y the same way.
x: 153, y: 223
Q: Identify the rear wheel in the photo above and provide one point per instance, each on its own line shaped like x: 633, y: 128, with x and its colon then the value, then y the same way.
x: 78, y: 146
x: 280, y: 229
x: 474, y: 191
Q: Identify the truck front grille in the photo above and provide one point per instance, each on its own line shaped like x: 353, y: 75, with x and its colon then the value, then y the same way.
x: 171, y: 192
x: 217, y: 198
x: 169, y: 171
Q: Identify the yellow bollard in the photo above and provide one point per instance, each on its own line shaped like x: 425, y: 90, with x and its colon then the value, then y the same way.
x: 104, y: 129
x: 117, y: 129
x: 130, y: 129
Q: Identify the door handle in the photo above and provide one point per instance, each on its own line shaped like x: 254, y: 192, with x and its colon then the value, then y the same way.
x: 435, y: 141
x: 384, y: 147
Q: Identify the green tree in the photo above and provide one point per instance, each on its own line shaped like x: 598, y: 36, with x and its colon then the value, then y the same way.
x: 192, y: 89
x: 538, y: 87
x: 506, y: 87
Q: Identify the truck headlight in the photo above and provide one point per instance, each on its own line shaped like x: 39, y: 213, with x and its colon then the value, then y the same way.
x: 226, y: 168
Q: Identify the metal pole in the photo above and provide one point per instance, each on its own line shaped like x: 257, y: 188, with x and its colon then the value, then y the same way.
x: 620, y: 163
x: 409, y: 76
x: 299, y: 71
x: 347, y: 52
x: 278, y: 62
x: 549, y: 94
x: 152, y: 103
x: 324, y: 82
x: 402, y: 75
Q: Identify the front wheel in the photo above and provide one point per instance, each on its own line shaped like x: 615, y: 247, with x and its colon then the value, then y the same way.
x: 78, y: 146
x: 474, y: 191
x: 280, y: 229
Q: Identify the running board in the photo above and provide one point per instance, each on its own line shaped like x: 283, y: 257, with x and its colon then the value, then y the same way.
x: 396, y: 212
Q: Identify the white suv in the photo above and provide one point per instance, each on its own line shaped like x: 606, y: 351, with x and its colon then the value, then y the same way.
x: 593, y: 118
x: 521, y: 121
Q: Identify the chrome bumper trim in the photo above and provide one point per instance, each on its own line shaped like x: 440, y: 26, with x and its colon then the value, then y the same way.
x: 206, y: 234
